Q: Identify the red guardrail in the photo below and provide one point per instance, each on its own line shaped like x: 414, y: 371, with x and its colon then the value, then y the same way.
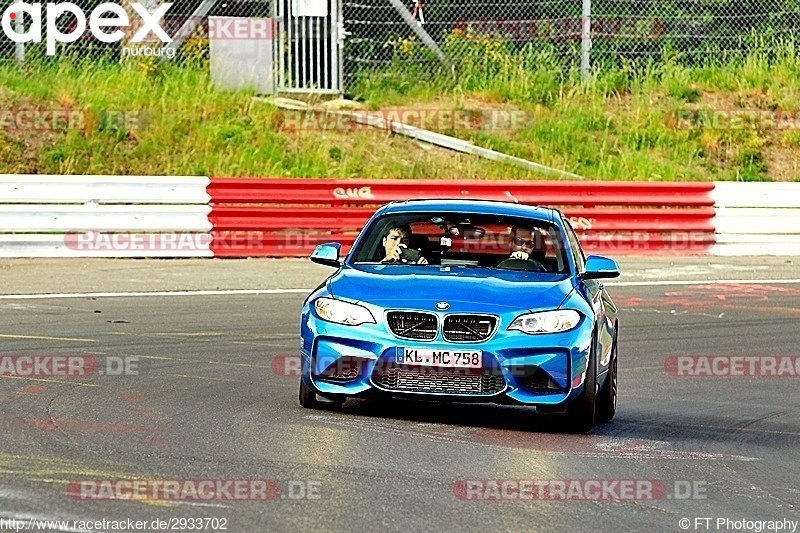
x: 289, y: 217
x: 379, y: 192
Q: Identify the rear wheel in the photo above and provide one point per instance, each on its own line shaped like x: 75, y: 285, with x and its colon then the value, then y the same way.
x: 308, y: 399
x: 581, y: 413
x: 607, y: 397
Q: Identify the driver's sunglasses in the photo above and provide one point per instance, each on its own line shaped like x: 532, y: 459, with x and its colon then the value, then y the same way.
x: 519, y: 241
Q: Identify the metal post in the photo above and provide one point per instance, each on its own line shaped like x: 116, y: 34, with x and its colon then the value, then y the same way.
x: 420, y: 32
x: 294, y: 49
x: 20, y: 47
x: 338, y: 38
x: 279, y: 44
x: 318, y: 40
x: 586, y: 38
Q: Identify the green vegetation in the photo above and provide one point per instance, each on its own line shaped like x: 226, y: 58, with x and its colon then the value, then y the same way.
x: 651, y: 121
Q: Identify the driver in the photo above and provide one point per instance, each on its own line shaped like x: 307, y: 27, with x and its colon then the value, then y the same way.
x: 397, y: 237
x: 527, y: 244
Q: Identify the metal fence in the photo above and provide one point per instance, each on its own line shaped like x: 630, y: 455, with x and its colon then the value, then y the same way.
x: 335, y: 45
x: 567, y: 36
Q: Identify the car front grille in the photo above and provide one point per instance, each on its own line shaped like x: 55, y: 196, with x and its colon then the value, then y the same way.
x: 439, y: 381
x: 412, y: 325
x: 468, y: 328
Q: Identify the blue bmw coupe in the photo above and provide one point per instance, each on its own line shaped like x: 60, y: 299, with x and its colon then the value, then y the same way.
x: 464, y: 300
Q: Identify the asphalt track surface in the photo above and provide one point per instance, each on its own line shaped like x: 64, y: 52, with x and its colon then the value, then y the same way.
x: 215, y: 400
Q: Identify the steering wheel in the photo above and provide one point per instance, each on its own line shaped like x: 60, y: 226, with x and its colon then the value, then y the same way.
x: 522, y: 264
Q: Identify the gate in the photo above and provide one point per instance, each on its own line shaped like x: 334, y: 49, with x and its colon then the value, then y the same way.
x: 308, y: 48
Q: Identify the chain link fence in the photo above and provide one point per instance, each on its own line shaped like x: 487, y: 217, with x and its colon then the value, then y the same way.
x: 405, y: 41
x: 478, y: 37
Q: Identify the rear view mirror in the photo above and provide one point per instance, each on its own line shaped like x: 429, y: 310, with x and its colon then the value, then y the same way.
x: 466, y: 231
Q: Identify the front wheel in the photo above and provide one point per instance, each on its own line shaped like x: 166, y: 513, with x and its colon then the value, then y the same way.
x: 581, y: 414
x: 308, y: 399
x: 607, y: 398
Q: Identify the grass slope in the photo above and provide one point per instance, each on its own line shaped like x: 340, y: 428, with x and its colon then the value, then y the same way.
x: 621, y: 125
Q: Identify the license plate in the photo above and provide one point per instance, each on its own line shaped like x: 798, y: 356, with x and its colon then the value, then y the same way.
x: 445, y: 358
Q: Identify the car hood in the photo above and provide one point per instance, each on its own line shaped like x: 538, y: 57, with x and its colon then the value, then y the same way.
x: 465, y: 289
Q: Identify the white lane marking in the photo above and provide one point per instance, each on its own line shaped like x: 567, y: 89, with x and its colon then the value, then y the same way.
x: 672, y: 312
x: 706, y: 282
x: 161, y: 293
x: 40, y: 337
x: 26, y: 378
x: 203, y: 504
x: 694, y: 270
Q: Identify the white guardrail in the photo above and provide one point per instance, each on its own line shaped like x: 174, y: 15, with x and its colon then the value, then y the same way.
x: 165, y: 216
x: 104, y: 216
x: 756, y: 218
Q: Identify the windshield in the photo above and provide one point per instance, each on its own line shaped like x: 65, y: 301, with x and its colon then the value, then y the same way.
x: 464, y: 239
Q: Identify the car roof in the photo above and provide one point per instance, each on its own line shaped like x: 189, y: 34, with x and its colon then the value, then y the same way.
x: 487, y: 207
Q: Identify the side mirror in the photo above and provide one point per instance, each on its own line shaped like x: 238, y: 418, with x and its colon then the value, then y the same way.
x: 598, y: 266
x: 327, y: 254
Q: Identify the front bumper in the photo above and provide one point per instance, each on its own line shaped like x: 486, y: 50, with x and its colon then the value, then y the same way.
x: 360, y: 361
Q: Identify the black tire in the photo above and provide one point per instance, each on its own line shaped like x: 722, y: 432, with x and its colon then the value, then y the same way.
x: 308, y: 399
x: 581, y: 413
x: 607, y: 397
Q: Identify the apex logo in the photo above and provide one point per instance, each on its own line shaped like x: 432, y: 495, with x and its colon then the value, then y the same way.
x: 106, y: 15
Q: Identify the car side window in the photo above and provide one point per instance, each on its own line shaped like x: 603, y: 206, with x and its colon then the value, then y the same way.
x: 575, y: 247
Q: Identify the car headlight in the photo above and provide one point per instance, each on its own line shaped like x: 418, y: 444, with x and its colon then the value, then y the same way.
x: 546, y: 321
x: 342, y: 312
